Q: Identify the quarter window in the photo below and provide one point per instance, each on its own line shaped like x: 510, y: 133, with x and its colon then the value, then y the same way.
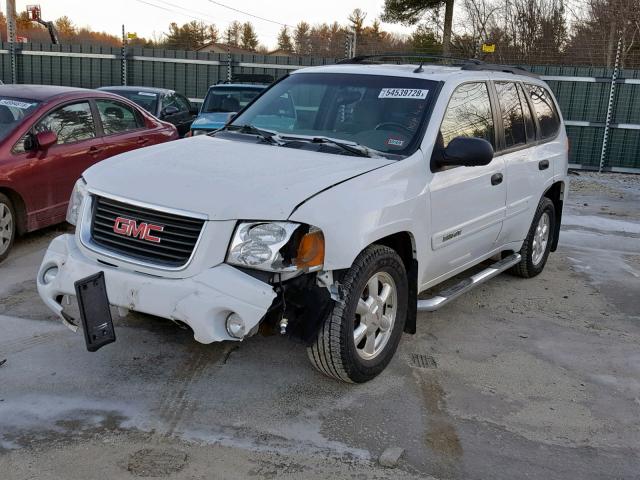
x: 545, y: 111
x: 468, y: 114
x: 511, y: 112
x: 71, y: 123
x: 117, y: 117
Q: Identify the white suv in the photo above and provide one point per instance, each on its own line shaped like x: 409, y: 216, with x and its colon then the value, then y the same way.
x: 322, y: 210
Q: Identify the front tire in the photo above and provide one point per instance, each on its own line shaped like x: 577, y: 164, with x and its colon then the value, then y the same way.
x: 361, y: 333
x: 7, y: 226
x: 537, y: 245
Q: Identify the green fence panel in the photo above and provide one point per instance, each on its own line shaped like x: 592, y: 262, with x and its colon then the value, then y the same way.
x: 192, y: 73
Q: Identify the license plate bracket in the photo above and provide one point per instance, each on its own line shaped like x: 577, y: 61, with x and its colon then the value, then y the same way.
x: 95, y: 312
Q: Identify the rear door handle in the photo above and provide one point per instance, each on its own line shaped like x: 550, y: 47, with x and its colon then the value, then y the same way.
x: 496, y: 179
x: 143, y: 140
x: 94, y: 150
x: 543, y: 164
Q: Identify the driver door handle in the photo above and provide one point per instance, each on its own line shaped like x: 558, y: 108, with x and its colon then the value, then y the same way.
x: 496, y: 179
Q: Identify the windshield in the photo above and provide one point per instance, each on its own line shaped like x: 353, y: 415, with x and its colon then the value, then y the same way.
x: 383, y: 113
x: 146, y: 100
x: 12, y: 112
x: 228, y: 99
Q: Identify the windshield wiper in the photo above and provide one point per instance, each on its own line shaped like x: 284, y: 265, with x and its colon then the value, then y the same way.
x: 350, y: 147
x: 266, y: 135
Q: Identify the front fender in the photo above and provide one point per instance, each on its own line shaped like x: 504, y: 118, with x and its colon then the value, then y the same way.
x: 356, y: 213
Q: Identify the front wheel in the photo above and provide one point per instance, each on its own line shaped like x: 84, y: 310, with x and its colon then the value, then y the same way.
x: 7, y: 226
x: 361, y: 333
x: 537, y: 245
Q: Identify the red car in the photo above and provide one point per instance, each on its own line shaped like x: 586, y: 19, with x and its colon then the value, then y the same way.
x: 48, y: 136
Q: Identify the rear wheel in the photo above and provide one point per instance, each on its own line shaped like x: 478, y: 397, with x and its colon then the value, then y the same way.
x: 537, y: 245
x: 7, y: 226
x: 361, y: 334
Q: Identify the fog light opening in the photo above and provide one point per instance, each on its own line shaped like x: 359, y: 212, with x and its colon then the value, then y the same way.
x: 49, y: 275
x: 235, y: 325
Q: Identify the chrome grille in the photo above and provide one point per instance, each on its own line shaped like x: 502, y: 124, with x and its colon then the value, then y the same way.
x: 177, y: 239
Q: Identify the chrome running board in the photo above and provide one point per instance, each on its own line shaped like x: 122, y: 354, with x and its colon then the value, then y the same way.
x: 453, y: 292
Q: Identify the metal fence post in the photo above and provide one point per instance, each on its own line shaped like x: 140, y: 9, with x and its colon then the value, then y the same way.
x: 229, y: 74
x: 11, y: 38
x: 612, y: 91
x: 123, y: 53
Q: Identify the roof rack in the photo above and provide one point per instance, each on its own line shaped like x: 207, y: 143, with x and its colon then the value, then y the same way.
x: 500, y: 68
x: 371, y: 59
x: 471, y: 64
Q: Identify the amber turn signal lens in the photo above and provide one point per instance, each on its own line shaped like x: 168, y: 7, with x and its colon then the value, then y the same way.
x: 311, y: 251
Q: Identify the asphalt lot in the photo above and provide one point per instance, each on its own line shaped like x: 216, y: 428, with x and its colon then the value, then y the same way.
x: 519, y: 379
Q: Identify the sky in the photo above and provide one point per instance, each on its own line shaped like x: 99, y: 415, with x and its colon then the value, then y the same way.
x: 150, y: 18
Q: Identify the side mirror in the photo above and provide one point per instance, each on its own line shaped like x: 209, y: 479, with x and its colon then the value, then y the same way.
x: 45, y: 139
x: 466, y: 152
x: 170, y: 110
x: 194, y: 110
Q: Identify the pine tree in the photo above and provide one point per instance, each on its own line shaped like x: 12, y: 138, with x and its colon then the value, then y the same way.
x: 284, y: 40
x: 233, y: 33
x: 249, y: 38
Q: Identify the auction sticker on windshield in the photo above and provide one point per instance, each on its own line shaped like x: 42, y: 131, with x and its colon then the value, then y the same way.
x: 417, y: 93
x: 15, y: 104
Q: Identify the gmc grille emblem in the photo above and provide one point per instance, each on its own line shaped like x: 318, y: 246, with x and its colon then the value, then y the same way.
x: 142, y: 230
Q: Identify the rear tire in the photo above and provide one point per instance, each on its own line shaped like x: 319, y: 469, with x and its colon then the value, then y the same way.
x: 537, y: 245
x: 361, y: 333
x: 8, y: 226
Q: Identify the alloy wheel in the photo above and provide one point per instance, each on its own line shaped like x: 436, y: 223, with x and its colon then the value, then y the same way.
x: 540, y: 239
x: 375, y: 315
x: 6, y: 227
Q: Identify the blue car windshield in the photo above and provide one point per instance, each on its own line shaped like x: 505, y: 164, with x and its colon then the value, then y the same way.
x: 384, y: 113
x: 228, y: 99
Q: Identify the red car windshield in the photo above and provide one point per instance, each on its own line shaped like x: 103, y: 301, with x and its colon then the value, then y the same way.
x: 13, y: 111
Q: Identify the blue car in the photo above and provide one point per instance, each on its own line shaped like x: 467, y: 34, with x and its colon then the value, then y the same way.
x: 221, y: 103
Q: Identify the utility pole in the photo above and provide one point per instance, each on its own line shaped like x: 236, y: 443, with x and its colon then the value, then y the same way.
x: 11, y: 37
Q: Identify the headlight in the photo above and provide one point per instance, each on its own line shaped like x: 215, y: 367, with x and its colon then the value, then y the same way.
x: 277, y: 247
x: 198, y: 132
x: 75, y: 202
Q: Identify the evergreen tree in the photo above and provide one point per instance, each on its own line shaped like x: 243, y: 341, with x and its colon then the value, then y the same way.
x: 249, y: 38
x: 284, y: 40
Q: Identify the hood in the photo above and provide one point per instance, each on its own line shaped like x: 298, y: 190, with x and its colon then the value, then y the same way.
x: 211, y: 120
x: 225, y: 179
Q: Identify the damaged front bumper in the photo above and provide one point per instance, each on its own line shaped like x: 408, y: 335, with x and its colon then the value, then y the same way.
x: 204, y: 301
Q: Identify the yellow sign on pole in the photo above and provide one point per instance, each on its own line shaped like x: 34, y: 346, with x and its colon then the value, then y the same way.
x: 488, y: 47
x: 132, y: 35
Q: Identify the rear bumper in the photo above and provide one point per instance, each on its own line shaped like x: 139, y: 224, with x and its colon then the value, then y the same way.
x: 203, y: 301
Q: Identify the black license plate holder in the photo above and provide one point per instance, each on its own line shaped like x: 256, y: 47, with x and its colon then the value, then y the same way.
x: 95, y: 312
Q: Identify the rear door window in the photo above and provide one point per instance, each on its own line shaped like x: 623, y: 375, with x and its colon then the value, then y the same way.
x: 513, y: 124
x: 117, y: 117
x: 468, y: 114
x: 545, y: 110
